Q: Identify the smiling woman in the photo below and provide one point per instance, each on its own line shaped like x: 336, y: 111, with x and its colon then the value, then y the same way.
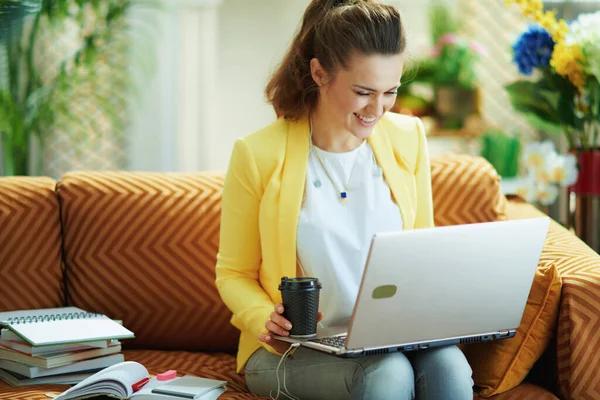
x: 304, y: 196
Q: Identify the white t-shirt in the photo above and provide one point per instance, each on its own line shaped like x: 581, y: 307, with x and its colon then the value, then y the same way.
x: 333, y: 239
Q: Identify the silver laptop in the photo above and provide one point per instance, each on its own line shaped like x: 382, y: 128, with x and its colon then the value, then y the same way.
x: 440, y: 286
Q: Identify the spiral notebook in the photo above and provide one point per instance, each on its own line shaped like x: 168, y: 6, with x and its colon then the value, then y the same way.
x: 51, y: 326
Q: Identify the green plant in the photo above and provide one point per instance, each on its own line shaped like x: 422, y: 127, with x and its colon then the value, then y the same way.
x: 35, y: 98
x: 502, y: 151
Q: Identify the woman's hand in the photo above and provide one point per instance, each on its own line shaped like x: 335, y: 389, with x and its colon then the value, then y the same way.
x: 278, y: 325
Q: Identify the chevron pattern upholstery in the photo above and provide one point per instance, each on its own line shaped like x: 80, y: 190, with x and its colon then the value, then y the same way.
x: 466, y: 190
x: 30, y: 244
x: 141, y: 247
x: 216, y: 366
x: 578, y: 332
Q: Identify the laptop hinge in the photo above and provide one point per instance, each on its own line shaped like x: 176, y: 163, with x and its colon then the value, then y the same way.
x: 504, y: 332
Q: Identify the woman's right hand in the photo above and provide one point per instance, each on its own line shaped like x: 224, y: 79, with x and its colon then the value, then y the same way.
x: 278, y: 325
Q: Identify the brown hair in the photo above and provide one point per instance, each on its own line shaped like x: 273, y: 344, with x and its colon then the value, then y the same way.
x: 331, y: 31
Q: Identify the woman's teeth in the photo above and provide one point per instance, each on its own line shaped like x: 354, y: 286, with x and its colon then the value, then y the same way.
x: 365, y: 119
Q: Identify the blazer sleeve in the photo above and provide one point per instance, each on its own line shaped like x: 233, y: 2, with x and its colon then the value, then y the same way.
x: 239, y: 257
x: 424, y: 215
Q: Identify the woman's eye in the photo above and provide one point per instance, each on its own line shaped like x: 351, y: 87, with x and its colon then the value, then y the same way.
x: 394, y: 93
x: 363, y: 93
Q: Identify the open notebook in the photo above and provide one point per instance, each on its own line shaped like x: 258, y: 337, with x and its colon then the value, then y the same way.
x: 52, y: 326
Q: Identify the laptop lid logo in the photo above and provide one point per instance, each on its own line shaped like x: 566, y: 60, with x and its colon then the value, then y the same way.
x: 384, y: 292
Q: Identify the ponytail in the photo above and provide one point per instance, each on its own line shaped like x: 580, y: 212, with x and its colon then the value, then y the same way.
x: 331, y: 31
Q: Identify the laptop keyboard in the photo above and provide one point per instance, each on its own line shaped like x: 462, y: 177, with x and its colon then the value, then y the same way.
x: 333, y: 341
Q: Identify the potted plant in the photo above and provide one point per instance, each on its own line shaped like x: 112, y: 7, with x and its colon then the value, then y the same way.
x: 452, y: 69
x: 563, y: 97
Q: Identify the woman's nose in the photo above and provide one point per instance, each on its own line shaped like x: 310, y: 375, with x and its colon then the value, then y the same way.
x: 377, y: 106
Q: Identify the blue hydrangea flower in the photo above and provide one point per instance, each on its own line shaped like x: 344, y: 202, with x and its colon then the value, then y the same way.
x: 533, y: 49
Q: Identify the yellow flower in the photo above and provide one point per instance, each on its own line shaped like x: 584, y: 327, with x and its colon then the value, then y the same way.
x: 559, y: 31
x: 532, y: 8
x: 568, y: 61
x: 548, y: 21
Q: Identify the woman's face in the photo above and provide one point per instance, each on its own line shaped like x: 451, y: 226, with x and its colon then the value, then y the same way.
x: 354, y: 99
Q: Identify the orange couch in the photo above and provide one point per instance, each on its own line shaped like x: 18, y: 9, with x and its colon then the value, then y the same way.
x: 141, y: 247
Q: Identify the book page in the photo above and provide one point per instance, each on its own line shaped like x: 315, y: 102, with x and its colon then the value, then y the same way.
x: 116, y: 380
x: 71, y: 331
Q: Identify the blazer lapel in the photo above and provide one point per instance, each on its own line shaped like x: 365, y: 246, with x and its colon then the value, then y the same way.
x: 292, y: 189
x: 395, y: 172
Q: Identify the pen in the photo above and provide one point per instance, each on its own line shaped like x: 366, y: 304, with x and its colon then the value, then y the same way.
x: 138, y: 385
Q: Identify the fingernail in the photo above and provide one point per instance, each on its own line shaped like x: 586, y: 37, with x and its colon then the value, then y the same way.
x: 288, y: 326
x: 267, y: 338
x: 286, y: 333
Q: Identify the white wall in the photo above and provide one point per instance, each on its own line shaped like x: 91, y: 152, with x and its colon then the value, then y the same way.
x: 252, y: 37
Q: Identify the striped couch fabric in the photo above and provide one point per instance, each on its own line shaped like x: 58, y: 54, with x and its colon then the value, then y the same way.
x: 466, y: 190
x: 30, y: 244
x: 141, y: 247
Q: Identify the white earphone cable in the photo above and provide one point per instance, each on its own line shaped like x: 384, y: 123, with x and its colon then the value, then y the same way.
x: 286, y: 392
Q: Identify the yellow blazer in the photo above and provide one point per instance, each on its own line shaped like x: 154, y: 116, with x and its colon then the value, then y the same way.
x: 261, y: 204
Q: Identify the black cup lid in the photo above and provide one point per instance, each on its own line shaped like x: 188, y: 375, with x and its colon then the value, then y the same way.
x: 303, y: 283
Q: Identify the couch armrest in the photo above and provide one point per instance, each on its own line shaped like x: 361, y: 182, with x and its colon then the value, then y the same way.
x: 578, y: 332
x: 466, y: 190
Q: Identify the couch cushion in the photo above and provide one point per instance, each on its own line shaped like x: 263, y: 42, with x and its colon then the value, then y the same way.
x: 466, y: 190
x: 141, y: 247
x: 30, y: 244
x: 501, y: 365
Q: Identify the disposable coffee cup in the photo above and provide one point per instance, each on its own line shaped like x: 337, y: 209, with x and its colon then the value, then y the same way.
x: 301, y: 305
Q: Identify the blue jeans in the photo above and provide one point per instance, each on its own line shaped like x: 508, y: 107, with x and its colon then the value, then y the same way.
x: 437, y: 373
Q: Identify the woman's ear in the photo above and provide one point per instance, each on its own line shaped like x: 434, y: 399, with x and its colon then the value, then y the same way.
x: 318, y: 73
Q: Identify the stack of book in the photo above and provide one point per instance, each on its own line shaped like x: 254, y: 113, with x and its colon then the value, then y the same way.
x: 58, y: 345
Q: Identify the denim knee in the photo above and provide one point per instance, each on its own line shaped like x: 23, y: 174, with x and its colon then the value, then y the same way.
x: 389, y: 376
x: 443, y: 373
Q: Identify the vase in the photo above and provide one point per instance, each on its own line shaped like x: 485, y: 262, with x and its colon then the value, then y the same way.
x: 454, y: 104
x: 586, y: 195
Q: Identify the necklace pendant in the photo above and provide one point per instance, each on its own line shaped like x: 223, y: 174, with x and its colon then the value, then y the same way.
x: 343, y: 197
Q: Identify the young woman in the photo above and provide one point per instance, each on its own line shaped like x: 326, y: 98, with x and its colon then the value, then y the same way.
x: 304, y: 196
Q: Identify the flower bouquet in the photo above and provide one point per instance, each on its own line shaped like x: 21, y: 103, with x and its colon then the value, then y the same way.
x: 563, y: 95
